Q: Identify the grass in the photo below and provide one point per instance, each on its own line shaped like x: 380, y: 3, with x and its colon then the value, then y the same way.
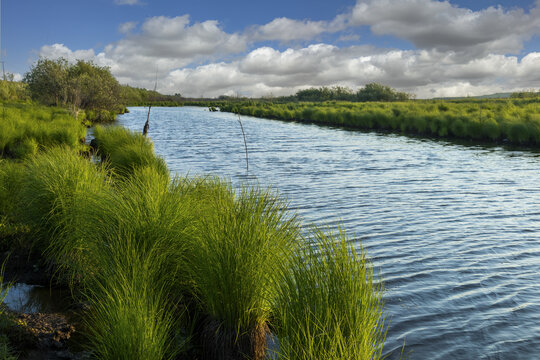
x: 511, y: 120
x: 57, y: 187
x: 164, y: 261
x: 127, y: 150
x: 329, y: 305
x: 243, y: 245
x: 27, y: 128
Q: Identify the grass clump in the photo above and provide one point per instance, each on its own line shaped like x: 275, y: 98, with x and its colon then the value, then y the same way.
x: 58, y: 185
x: 329, y: 306
x: 243, y: 245
x: 26, y: 128
x: 127, y: 150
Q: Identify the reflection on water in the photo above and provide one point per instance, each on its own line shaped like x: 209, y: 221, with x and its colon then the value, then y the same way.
x: 453, y: 230
x: 36, y: 299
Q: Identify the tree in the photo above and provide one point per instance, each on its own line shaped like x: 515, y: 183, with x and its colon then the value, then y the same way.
x: 378, y: 92
x: 92, y: 87
x: 82, y: 85
x: 47, y: 81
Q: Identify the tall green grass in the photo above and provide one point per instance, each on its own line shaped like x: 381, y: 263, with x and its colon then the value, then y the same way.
x: 26, y: 128
x: 137, y: 251
x: 127, y: 150
x: 512, y: 121
x: 57, y: 187
x: 145, y: 249
x: 243, y: 245
x: 329, y: 304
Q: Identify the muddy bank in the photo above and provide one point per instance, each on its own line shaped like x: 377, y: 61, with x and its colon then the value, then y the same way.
x: 41, y: 316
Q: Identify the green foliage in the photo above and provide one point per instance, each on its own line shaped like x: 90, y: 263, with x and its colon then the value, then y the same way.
x: 512, y: 121
x: 243, y: 244
x: 55, y: 184
x: 80, y: 85
x: 127, y: 150
x: 142, y: 97
x: 13, y: 91
x: 378, y: 92
x: 47, y: 81
x: 329, y: 306
x: 26, y: 128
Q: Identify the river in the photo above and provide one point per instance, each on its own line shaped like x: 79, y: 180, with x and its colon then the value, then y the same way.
x: 454, y: 230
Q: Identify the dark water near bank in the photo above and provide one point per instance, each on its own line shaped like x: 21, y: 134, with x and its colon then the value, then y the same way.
x: 454, y: 230
x: 37, y: 299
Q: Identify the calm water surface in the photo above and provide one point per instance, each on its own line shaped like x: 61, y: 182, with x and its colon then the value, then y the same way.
x: 453, y: 230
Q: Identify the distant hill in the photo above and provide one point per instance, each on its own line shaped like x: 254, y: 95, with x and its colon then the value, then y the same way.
x: 490, y: 96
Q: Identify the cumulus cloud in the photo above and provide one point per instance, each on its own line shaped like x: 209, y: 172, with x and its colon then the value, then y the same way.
x: 56, y: 51
x: 163, y: 43
x: 127, y: 2
x: 458, y: 52
x: 286, y: 30
x: 431, y: 24
x: 127, y: 27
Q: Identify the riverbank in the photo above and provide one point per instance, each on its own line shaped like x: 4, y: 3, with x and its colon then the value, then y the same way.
x: 170, y: 267
x: 508, y: 121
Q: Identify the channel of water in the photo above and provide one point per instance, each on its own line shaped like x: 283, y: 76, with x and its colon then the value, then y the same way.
x: 453, y: 230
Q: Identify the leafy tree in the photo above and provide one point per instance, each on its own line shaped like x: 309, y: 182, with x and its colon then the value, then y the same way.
x: 47, y: 81
x: 378, y: 92
x: 92, y: 87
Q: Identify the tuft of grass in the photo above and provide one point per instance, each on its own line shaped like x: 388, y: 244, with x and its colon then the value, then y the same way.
x: 57, y: 187
x: 329, y: 305
x: 243, y: 245
x: 127, y: 150
x: 131, y: 316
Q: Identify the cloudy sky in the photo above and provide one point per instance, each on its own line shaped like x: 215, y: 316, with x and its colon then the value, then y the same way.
x: 262, y: 48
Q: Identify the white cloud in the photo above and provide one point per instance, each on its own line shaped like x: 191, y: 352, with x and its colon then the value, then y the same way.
x: 431, y: 24
x: 56, y: 51
x: 127, y: 2
x: 127, y: 27
x: 286, y: 30
x: 459, y: 52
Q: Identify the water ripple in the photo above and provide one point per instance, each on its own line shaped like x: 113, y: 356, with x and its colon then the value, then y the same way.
x: 452, y: 229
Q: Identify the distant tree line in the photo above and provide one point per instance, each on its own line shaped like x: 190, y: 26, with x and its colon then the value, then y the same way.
x: 370, y: 92
x: 525, y: 94
x: 140, y: 97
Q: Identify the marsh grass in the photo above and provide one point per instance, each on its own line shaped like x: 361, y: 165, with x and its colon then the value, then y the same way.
x: 57, y: 186
x: 329, y: 304
x: 138, y: 247
x: 26, y: 128
x: 513, y: 121
x: 126, y: 150
x: 243, y: 245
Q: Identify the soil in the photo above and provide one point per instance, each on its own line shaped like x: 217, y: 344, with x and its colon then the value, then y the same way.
x: 38, y: 336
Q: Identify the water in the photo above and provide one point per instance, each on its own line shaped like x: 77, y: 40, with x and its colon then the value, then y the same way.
x: 453, y: 230
x: 27, y: 298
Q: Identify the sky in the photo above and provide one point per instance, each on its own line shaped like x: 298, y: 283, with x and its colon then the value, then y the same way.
x: 257, y: 48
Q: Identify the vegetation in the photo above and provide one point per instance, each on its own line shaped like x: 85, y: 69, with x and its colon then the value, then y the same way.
x: 371, y: 92
x: 82, y: 85
x: 512, y: 121
x: 328, y: 305
x: 127, y: 150
x: 26, y: 128
x: 142, y: 97
x: 172, y: 266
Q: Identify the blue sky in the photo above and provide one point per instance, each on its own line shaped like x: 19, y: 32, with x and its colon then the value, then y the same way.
x: 263, y: 48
